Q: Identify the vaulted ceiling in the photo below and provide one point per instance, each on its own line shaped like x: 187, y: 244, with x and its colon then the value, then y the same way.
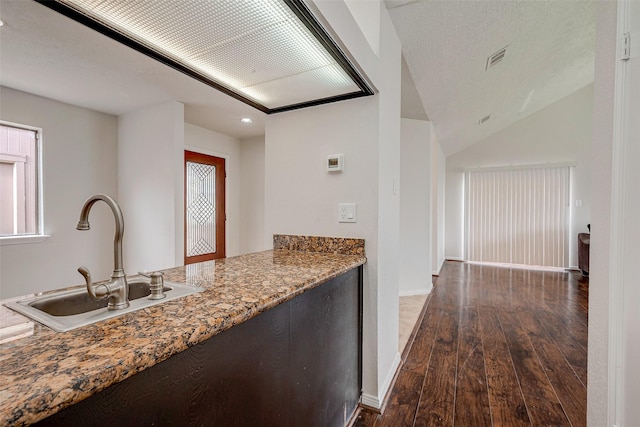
x: 549, y: 54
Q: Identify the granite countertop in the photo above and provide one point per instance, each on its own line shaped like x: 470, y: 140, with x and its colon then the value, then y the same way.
x: 48, y: 371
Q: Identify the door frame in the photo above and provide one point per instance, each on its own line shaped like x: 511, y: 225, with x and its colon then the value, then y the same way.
x: 221, y: 201
x: 621, y: 274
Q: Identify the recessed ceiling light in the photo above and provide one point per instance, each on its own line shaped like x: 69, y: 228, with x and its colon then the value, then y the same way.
x: 246, y: 120
x: 1, y: 23
x: 273, y: 55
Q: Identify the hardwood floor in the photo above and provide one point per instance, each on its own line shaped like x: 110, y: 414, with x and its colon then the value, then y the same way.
x: 496, y: 347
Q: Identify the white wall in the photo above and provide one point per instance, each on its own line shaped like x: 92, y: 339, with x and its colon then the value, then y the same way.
x: 604, y: 302
x: 454, y: 213
x: 389, y: 188
x: 252, y: 174
x: 561, y: 132
x: 438, y: 173
x: 150, y: 186
x: 626, y: 250
x: 415, y: 207
x: 630, y: 246
x: 598, y: 389
x: 302, y: 198
x: 79, y: 154
x: 219, y: 145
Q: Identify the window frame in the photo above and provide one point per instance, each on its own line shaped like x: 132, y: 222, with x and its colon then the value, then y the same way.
x: 39, y: 235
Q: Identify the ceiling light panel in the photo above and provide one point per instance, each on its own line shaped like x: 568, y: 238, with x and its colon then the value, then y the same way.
x: 258, y: 51
x: 288, y: 90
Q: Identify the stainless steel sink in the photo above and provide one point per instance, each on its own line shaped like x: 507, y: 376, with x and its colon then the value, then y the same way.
x: 72, y: 308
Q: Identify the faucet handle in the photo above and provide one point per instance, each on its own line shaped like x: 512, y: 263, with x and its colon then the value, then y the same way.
x: 156, y: 286
x: 97, y: 292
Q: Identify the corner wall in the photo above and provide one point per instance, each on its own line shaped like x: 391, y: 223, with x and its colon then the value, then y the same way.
x: 151, y: 185
x: 252, y: 202
x: 389, y: 189
x: 601, y: 404
x: 416, y: 208
x: 438, y: 174
x: 625, y: 204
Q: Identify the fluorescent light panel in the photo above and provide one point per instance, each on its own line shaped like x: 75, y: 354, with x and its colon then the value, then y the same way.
x: 260, y: 52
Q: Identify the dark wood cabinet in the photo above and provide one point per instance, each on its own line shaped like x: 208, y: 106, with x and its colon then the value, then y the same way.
x: 296, y: 364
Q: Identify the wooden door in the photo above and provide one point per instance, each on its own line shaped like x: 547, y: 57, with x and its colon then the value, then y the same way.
x: 204, y: 215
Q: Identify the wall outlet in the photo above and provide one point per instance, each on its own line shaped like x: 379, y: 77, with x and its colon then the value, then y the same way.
x: 347, y: 212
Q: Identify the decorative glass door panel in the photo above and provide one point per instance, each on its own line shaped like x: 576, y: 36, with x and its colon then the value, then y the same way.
x: 204, y: 207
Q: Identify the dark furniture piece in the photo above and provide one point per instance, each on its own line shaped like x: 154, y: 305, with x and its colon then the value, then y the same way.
x: 296, y: 364
x: 584, y: 239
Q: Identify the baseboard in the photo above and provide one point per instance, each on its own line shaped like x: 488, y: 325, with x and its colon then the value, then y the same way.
x: 373, y: 404
x: 370, y: 401
x: 377, y: 403
x: 388, y: 382
x: 439, y: 268
x: 416, y: 292
x: 454, y: 258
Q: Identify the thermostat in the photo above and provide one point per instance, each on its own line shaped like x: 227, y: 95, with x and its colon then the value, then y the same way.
x: 335, y: 163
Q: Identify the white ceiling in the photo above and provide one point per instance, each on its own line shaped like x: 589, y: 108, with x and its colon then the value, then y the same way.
x: 446, y: 44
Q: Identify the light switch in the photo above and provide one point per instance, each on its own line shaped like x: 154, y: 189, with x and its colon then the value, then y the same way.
x: 347, y: 212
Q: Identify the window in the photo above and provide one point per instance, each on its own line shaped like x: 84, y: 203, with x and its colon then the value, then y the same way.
x: 20, y: 183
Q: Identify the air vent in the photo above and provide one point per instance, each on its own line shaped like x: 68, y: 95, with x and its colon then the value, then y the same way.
x: 484, y: 119
x: 496, y: 57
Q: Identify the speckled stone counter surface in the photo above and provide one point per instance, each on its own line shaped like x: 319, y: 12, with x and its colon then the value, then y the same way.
x: 327, y: 245
x: 48, y: 371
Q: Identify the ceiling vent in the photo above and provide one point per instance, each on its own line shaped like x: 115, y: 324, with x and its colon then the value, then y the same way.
x: 496, y: 57
x: 484, y: 119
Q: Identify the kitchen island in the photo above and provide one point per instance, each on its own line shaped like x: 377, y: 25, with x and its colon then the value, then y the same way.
x: 256, y: 338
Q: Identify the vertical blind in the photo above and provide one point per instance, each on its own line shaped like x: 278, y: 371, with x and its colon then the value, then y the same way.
x: 518, y: 216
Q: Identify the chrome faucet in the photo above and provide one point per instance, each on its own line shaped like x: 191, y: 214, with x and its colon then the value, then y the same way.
x: 116, y: 289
